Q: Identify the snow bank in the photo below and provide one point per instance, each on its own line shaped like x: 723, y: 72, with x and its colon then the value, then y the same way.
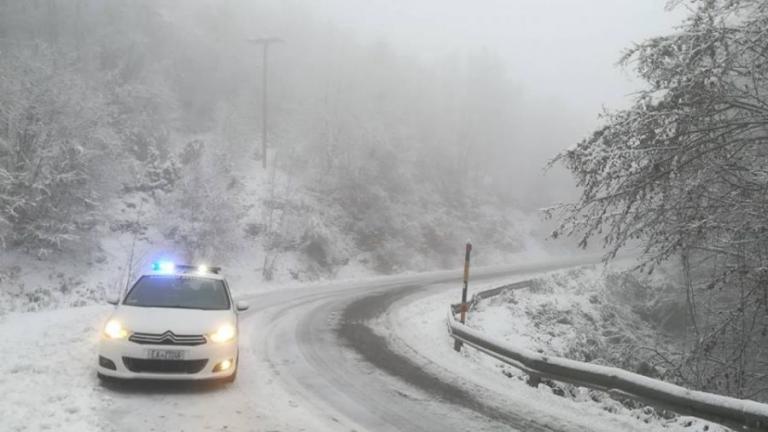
x: 573, y: 314
x: 435, y: 348
x: 47, y: 376
x: 567, y: 309
x: 417, y: 329
x: 611, y: 379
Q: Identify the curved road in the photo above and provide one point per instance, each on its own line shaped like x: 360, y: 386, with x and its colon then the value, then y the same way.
x: 311, y: 359
x: 324, y: 344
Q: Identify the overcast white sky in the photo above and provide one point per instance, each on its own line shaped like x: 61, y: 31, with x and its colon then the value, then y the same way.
x: 560, y: 54
x: 560, y: 50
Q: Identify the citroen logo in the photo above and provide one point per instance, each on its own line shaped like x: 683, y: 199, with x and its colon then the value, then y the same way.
x: 168, y: 336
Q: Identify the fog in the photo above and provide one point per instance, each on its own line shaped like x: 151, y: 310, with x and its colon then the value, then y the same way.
x: 552, y: 48
x: 387, y: 123
x: 558, y: 60
x: 560, y: 57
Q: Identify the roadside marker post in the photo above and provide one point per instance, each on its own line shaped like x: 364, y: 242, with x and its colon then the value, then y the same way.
x: 464, y: 306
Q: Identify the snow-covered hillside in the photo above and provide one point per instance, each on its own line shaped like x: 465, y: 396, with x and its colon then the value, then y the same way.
x: 278, y: 230
x: 586, y: 314
x: 153, y: 147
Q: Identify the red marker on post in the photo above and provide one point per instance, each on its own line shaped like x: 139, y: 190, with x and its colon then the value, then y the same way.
x: 464, y: 305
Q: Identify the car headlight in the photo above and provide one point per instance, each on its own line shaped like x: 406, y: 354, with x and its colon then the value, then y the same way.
x: 225, y: 333
x: 115, y: 330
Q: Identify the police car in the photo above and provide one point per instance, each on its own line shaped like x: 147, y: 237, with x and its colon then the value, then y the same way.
x: 177, y: 322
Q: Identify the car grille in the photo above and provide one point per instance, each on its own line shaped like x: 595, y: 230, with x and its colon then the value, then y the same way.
x: 164, y: 366
x: 167, y: 338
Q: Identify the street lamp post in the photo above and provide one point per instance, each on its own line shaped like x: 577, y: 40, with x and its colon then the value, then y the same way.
x: 265, y: 43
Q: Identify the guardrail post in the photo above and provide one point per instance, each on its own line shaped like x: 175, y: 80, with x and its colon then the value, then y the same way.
x: 464, y: 306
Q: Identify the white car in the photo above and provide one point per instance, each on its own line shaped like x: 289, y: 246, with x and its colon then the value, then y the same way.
x: 175, y: 323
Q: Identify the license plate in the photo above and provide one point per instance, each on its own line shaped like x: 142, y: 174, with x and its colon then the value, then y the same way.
x: 155, y: 354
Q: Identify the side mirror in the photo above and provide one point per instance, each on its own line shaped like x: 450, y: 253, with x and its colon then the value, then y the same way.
x: 242, y: 306
x: 113, y: 299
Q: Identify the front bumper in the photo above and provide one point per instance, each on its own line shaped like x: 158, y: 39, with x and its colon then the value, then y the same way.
x: 129, y: 360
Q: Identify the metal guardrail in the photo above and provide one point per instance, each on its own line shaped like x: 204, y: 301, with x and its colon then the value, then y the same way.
x: 745, y: 415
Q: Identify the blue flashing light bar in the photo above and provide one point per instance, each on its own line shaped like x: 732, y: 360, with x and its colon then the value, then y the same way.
x: 163, y: 266
x: 169, y: 267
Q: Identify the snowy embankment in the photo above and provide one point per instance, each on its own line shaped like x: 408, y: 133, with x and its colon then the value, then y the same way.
x: 517, y: 319
x: 47, y: 377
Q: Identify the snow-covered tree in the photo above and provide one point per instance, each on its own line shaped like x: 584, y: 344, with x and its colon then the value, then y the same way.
x: 52, y: 134
x: 684, y: 173
x: 205, y: 205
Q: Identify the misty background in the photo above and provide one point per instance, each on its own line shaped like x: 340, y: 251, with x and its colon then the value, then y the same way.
x: 397, y: 130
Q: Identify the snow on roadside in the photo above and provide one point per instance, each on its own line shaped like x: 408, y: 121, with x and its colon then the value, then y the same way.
x: 47, y: 376
x: 418, y: 329
x: 570, y: 313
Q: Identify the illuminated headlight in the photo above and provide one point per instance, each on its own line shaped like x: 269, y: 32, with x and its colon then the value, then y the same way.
x: 225, y: 333
x: 115, y: 330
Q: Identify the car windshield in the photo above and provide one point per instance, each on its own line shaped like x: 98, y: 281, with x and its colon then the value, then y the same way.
x: 183, y: 292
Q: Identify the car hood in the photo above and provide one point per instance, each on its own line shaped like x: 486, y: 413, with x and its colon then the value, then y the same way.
x: 179, y: 321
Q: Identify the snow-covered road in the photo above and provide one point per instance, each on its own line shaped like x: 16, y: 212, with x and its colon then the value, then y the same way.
x: 330, y: 357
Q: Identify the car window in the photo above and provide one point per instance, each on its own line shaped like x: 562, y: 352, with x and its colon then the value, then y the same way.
x: 179, y: 292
